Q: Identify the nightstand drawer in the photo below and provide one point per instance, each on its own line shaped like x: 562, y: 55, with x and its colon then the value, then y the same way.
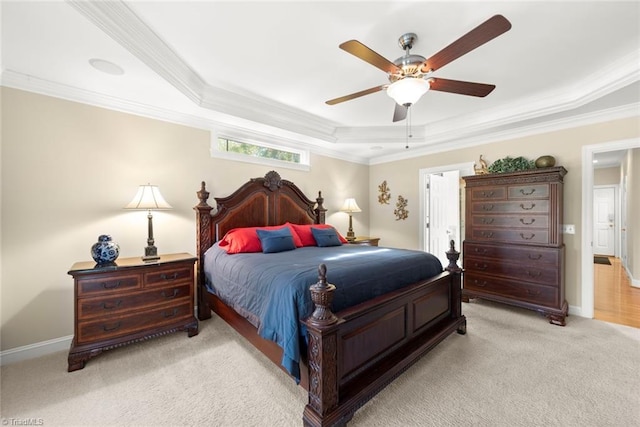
x: 107, y: 306
x: 124, y: 325
x: 115, y: 283
x: 169, y: 276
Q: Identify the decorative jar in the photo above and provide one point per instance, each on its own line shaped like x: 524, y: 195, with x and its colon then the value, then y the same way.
x: 545, y: 161
x: 105, y: 250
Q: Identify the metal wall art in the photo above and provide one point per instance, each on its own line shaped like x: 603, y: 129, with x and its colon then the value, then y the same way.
x: 385, y: 195
x: 401, y: 212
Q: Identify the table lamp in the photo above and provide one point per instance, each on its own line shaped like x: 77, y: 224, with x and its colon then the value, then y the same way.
x: 350, y: 206
x: 149, y: 198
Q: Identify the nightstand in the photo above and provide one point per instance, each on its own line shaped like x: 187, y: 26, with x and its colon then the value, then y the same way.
x: 365, y: 241
x: 128, y: 301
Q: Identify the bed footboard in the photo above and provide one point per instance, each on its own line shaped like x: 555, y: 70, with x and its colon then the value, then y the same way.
x: 354, y: 356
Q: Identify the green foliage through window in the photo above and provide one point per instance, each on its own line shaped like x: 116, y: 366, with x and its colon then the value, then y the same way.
x: 257, y: 150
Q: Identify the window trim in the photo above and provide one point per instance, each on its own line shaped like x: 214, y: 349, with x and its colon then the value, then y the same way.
x: 265, y: 141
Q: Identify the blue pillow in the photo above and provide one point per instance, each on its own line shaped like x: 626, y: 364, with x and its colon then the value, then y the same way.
x: 326, y: 237
x: 279, y: 240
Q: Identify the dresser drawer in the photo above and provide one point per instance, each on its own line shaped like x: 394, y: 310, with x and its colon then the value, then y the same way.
x: 543, y: 274
x: 114, y: 283
x: 518, y: 291
x: 488, y: 193
x: 98, y: 330
x: 517, y: 221
x: 522, y: 207
x: 524, y: 255
x: 531, y: 191
x: 109, y: 305
x: 169, y: 276
x: 524, y: 237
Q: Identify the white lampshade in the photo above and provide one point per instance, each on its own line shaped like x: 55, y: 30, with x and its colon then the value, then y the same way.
x: 408, y: 90
x: 350, y: 205
x: 148, y: 197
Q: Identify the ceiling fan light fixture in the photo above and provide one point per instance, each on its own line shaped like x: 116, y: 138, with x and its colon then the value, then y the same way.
x: 408, y: 91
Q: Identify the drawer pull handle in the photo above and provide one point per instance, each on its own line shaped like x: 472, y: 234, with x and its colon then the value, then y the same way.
x: 175, y: 293
x: 533, y: 205
x: 170, y: 314
x: 533, y: 293
x: 487, y: 220
x: 105, y: 306
x: 481, y: 267
x: 527, y: 223
x: 535, y: 257
x: 106, y: 285
x: 487, y: 207
x: 524, y: 193
x: 173, y: 276
x: 481, y: 284
x: 534, y: 273
x: 105, y: 328
x: 527, y: 238
x: 487, y: 194
x: 487, y: 234
x: 480, y: 250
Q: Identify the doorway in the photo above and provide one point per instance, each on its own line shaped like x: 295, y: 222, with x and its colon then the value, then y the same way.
x: 440, y: 208
x: 587, y: 250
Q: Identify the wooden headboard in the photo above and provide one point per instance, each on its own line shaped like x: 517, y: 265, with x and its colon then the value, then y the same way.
x: 259, y: 202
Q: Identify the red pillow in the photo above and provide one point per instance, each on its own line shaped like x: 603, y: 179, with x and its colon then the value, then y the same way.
x: 305, y: 235
x: 245, y: 239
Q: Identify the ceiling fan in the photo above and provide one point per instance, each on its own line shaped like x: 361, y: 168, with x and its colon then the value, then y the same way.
x: 409, y: 75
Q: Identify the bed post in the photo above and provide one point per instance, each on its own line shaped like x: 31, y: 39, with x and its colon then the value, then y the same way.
x: 203, y: 242
x: 320, y: 210
x: 322, y: 355
x: 456, y: 279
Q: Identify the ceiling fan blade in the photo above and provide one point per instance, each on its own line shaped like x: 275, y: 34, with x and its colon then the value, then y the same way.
x: 356, y: 95
x: 400, y: 112
x: 356, y: 48
x: 463, y: 88
x: 483, y: 33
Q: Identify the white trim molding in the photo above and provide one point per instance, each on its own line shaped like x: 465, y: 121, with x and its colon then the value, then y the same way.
x: 32, y: 351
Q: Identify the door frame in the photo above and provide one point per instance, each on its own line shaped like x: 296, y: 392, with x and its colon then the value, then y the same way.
x: 587, y: 303
x: 464, y: 169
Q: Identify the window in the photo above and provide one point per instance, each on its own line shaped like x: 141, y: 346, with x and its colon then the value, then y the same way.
x: 258, y: 152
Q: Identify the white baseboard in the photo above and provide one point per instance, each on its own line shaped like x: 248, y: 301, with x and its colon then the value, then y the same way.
x: 575, y: 311
x: 32, y: 351
x: 634, y: 282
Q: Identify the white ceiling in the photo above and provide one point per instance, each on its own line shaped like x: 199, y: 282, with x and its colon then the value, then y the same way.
x: 264, y: 67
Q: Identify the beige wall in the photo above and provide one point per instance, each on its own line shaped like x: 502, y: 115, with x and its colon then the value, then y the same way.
x: 564, y: 145
x: 606, y: 176
x: 69, y: 168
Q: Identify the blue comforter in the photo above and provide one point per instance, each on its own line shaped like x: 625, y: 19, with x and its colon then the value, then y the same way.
x: 272, y: 290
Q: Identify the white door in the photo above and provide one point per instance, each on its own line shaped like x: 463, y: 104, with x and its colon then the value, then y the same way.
x: 443, y: 215
x: 604, y: 215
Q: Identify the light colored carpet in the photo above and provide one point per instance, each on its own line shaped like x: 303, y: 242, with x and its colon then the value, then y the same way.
x: 511, y: 369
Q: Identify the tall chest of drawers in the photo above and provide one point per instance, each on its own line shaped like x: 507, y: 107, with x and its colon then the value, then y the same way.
x: 513, y: 249
x: 128, y: 301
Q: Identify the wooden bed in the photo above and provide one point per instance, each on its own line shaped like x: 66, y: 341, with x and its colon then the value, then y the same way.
x: 352, y: 354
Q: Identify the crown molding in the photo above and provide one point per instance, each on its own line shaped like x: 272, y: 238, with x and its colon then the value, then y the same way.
x: 117, y: 20
x: 617, y: 113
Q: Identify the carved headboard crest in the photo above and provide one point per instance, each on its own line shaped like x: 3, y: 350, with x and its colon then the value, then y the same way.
x: 272, y: 180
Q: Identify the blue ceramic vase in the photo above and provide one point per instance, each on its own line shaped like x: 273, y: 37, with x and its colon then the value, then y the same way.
x: 105, y: 250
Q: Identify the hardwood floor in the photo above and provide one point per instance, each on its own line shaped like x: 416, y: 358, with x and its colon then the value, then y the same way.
x: 616, y: 301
